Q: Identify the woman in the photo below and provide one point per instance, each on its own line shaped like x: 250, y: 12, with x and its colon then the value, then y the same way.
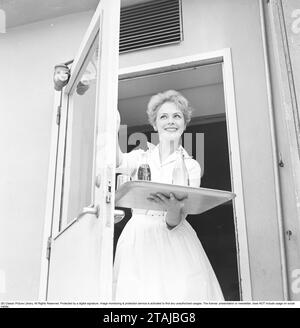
x: 159, y: 257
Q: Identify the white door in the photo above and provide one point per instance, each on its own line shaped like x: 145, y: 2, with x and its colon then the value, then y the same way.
x: 80, y: 258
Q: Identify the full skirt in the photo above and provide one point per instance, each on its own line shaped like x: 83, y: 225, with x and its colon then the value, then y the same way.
x: 155, y: 264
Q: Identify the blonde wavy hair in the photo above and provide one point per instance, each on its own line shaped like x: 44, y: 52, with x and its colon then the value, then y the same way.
x: 172, y: 96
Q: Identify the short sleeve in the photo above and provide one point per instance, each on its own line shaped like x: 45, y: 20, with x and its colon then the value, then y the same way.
x: 194, y: 170
x: 129, y: 161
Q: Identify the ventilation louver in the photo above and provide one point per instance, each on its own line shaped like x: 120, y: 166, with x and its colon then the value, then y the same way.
x: 150, y: 24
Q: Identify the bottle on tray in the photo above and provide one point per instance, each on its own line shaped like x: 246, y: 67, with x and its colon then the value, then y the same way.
x: 180, y: 173
x: 144, y: 172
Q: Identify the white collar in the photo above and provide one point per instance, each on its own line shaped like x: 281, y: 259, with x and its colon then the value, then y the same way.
x: 171, y: 158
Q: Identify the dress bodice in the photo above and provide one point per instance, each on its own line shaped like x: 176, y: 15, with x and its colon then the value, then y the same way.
x: 160, y: 171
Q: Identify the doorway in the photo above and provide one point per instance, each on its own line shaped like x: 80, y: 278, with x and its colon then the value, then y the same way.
x: 206, y: 139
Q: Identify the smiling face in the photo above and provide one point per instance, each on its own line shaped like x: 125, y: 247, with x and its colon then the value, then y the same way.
x: 170, y: 122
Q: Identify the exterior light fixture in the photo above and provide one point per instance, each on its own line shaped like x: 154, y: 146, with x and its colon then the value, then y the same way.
x: 61, y: 76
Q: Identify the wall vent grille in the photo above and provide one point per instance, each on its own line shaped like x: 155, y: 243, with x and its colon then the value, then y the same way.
x: 150, y: 24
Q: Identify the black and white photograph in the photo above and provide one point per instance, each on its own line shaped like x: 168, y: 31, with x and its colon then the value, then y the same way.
x: 150, y: 153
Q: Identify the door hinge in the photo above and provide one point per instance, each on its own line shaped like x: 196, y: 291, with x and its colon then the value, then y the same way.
x: 108, y: 194
x: 49, y: 244
x: 280, y: 162
x: 109, y: 184
x: 58, y: 113
x: 289, y: 234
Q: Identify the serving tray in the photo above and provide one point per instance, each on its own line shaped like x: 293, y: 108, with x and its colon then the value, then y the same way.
x: 133, y: 194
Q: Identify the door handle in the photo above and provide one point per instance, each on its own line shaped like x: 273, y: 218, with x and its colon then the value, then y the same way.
x: 118, y: 216
x: 92, y: 209
x: 95, y: 210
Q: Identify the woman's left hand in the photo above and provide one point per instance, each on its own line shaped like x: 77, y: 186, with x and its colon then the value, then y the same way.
x: 170, y: 204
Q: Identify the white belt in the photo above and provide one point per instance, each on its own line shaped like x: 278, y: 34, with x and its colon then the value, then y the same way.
x: 148, y: 212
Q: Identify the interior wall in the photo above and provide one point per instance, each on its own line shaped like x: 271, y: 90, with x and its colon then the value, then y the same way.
x: 27, y: 58
x: 210, y: 25
x: 133, y: 110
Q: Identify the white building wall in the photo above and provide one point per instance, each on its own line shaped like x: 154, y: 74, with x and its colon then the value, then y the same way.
x: 210, y: 25
x: 27, y: 57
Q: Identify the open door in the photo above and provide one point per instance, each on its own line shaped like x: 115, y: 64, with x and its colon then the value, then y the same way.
x: 80, y: 244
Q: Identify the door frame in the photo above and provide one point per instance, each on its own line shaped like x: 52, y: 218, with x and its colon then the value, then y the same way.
x: 58, y: 139
x: 223, y: 57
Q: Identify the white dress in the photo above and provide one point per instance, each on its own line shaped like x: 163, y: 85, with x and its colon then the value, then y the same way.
x: 153, y: 263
